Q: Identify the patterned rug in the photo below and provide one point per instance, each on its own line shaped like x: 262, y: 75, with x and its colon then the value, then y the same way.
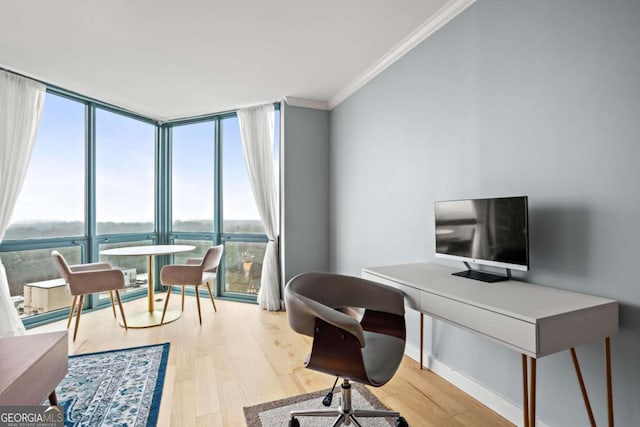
x: 276, y: 413
x: 117, y: 387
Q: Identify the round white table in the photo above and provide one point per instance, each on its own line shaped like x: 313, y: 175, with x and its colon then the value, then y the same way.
x: 151, y: 317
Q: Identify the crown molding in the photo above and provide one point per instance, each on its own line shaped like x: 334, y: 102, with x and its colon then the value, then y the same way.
x: 428, y: 27
x: 306, y: 103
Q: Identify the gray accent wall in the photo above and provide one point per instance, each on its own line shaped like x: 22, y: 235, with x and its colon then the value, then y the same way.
x: 537, y: 98
x: 305, y: 191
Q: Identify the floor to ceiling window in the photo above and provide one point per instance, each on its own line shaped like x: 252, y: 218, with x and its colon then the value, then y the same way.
x: 242, y: 230
x: 192, y: 179
x: 193, y: 187
x: 50, y: 211
x: 125, y: 155
x: 125, y: 191
x: 102, y: 178
x: 207, y: 156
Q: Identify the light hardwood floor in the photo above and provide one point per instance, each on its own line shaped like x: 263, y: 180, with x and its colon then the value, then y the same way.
x: 243, y: 355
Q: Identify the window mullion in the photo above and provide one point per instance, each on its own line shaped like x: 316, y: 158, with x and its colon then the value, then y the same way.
x: 217, y: 211
x: 90, y: 202
x: 90, y: 183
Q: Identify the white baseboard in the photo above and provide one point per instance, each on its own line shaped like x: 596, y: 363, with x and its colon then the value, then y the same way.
x: 498, y: 404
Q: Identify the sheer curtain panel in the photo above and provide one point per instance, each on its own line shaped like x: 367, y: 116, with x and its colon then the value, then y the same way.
x: 21, y: 102
x: 256, y: 133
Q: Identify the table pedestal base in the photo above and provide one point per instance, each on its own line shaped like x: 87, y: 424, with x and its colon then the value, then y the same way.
x: 150, y: 319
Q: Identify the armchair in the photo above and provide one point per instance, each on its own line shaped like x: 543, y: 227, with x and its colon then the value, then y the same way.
x: 86, y: 279
x: 195, y: 272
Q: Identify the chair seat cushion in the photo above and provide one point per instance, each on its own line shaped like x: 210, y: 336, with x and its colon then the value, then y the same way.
x: 381, y: 356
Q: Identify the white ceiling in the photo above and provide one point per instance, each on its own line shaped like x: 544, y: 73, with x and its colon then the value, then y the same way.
x: 172, y: 59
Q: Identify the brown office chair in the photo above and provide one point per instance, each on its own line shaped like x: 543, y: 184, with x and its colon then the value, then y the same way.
x: 89, y: 278
x: 196, y: 272
x: 368, y: 351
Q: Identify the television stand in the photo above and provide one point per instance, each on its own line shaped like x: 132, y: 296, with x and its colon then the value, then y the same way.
x: 482, y: 276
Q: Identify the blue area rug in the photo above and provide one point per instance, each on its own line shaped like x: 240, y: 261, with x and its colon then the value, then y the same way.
x: 114, y: 388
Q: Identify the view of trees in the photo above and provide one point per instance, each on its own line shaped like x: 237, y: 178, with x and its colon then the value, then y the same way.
x: 243, y: 260
x: 43, y: 230
x: 34, y: 266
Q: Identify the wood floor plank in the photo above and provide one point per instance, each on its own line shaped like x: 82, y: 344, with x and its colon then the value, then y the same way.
x: 183, y: 410
x: 481, y: 418
x: 290, y: 385
x: 420, y: 411
x: 210, y: 420
x: 167, y: 400
x: 206, y: 397
x: 435, y: 388
x: 243, y: 355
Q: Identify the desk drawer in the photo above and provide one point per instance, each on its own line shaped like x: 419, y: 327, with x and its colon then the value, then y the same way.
x: 411, y: 295
x: 508, y: 330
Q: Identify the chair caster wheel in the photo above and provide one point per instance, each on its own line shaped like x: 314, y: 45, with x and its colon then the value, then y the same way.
x: 401, y: 422
x: 293, y: 422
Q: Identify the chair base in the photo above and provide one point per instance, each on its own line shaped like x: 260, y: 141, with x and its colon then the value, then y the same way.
x: 345, y: 414
x: 147, y: 319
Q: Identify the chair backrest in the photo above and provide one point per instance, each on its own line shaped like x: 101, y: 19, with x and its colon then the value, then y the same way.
x: 211, y: 259
x: 335, y: 291
x: 61, y: 265
x: 340, y: 344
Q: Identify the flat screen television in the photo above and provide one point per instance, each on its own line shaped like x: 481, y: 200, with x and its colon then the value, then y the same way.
x: 491, y: 232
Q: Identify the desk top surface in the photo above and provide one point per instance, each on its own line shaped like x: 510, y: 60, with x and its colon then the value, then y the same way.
x: 521, y: 300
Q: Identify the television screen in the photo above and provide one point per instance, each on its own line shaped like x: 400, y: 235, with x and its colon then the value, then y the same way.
x: 484, y: 231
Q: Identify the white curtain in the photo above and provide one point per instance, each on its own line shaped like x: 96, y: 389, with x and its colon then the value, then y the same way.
x: 21, y: 102
x: 256, y: 131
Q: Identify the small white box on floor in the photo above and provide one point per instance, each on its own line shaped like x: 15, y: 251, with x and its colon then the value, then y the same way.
x: 129, y: 276
x: 40, y: 297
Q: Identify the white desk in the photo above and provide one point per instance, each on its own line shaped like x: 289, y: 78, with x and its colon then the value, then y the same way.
x: 533, y: 320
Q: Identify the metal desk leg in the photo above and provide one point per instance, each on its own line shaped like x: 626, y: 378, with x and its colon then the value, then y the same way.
x: 421, y: 338
x: 607, y: 354
x: 525, y: 391
x: 532, y: 393
x: 583, y: 389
